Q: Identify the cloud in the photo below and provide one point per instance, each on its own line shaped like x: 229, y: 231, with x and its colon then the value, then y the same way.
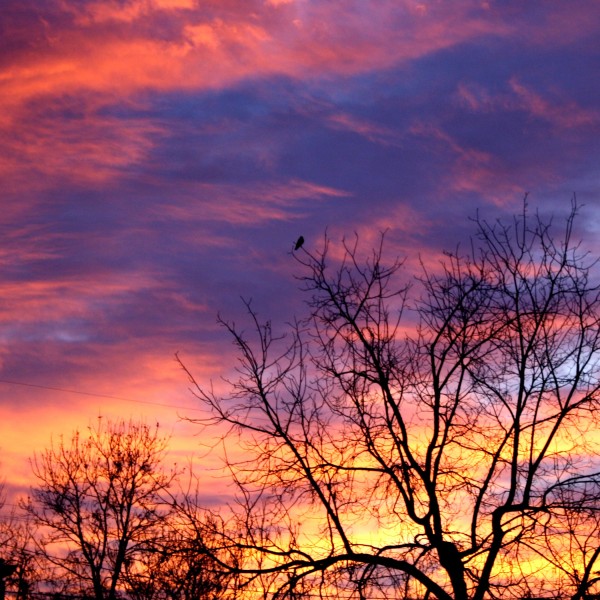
x: 248, y: 204
x: 87, y: 13
x: 563, y: 113
x: 218, y: 45
x: 371, y: 131
x: 84, y: 148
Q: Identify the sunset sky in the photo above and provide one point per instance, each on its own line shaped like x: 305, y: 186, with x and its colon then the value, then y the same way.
x: 160, y: 157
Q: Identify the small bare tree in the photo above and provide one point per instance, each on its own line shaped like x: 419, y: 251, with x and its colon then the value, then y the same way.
x: 431, y: 439
x: 98, y: 500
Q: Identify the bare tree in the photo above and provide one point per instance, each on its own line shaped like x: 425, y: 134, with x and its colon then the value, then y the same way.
x: 98, y: 500
x: 17, y: 548
x: 20, y: 569
x: 429, y: 439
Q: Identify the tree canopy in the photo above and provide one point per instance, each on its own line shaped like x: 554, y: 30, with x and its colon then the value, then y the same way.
x: 100, y: 501
x: 435, y: 437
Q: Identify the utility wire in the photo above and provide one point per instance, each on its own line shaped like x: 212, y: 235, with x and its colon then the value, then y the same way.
x: 80, y: 393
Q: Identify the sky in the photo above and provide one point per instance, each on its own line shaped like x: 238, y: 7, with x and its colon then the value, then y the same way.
x: 159, y: 158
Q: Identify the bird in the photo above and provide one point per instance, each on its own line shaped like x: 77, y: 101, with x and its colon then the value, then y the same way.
x: 299, y: 243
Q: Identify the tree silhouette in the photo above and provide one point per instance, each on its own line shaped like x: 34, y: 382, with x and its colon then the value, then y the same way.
x: 98, y: 502
x: 437, y: 439
x: 177, y: 564
x: 17, y: 547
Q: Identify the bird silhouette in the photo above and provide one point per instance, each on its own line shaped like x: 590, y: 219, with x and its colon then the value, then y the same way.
x: 299, y: 243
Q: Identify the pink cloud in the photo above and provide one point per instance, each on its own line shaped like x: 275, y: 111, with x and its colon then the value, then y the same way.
x: 299, y: 39
x: 127, y: 12
x: 88, y: 149
x: 470, y: 170
x: 561, y: 113
x: 106, y: 55
x: 363, y: 127
x: 247, y: 204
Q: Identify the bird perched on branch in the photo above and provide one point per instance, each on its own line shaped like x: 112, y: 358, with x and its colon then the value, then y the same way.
x: 299, y: 243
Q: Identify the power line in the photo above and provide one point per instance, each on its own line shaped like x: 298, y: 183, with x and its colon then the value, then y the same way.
x: 106, y: 396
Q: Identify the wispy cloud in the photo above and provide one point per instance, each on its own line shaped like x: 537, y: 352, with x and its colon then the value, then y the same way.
x: 559, y: 111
